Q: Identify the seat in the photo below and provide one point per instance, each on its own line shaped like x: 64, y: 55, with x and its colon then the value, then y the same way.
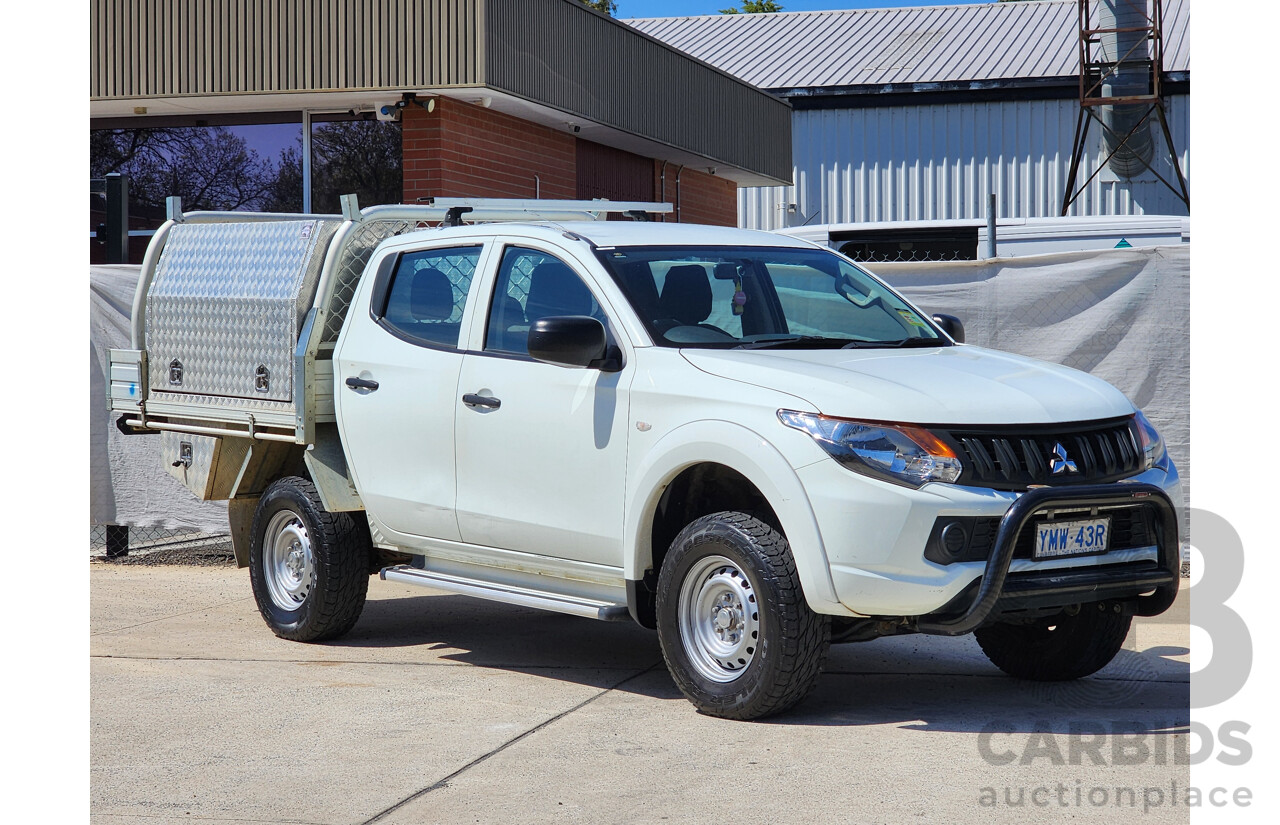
x: 431, y: 295
x: 686, y: 301
x: 686, y: 295
x: 555, y: 289
x: 431, y: 304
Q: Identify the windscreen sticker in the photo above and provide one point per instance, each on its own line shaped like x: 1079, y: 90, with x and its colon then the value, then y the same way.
x: 910, y: 318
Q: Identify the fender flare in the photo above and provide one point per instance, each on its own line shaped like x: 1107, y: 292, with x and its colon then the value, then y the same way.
x: 746, y: 452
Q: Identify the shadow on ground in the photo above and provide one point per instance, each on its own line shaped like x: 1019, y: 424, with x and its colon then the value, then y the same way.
x: 915, y: 682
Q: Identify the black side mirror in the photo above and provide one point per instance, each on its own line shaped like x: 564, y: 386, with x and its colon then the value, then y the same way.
x: 572, y: 341
x: 951, y: 326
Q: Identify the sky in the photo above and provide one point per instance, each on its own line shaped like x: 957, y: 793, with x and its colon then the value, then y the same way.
x: 689, y: 8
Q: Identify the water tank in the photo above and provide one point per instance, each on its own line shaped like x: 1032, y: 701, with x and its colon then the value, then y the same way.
x: 1129, y: 52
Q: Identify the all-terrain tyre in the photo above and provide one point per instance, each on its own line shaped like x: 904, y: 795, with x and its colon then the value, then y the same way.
x: 1057, y: 648
x: 309, y: 567
x: 736, y: 633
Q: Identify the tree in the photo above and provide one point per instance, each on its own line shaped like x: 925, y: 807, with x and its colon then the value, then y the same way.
x: 754, y: 7
x: 603, y: 6
x: 208, y: 167
x: 360, y: 156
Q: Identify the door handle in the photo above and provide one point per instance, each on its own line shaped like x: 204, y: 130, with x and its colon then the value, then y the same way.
x: 473, y: 400
x: 362, y: 384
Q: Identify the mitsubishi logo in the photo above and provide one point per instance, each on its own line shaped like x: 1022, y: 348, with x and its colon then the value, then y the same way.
x: 1060, y: 464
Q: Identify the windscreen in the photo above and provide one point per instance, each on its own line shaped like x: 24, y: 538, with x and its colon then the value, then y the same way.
x: 751, y: 296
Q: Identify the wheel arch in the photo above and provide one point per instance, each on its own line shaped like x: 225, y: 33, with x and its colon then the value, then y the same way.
x: 741, y: 463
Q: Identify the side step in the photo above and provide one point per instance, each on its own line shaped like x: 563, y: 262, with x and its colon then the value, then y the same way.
x: 509, y: 594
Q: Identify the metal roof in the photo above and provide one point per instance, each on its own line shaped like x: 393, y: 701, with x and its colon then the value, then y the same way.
x: 555, y: 62
x: 916, y: 45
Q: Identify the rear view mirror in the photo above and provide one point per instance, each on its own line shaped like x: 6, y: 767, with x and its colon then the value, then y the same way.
x: 571, y: 341
x: 951, y: 326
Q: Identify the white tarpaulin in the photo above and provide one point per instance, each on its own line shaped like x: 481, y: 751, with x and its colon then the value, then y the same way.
x: 127, y: 483
x: 1122, y: 315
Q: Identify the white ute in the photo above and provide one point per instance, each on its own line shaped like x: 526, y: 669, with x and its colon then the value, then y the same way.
x: 740, y: 439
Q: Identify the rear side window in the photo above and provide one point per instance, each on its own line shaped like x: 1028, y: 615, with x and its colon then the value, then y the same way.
x: 428, y: 293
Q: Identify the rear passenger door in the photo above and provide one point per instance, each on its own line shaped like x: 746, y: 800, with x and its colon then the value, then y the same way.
x: 396, y: 374
x: 541, y: 448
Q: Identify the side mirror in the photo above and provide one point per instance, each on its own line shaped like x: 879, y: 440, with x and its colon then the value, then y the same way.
x: 951, y: 326
x: 571, y: 341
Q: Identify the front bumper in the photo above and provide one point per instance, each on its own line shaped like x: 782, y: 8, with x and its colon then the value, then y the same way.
x: 874, y: 535
x: 997, y: 592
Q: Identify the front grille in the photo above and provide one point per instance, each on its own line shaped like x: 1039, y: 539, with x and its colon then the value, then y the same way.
x: 1014, y: 458
x: 1132, y: 527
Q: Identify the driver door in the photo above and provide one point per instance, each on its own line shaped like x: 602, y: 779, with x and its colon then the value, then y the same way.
x: 541, y: 448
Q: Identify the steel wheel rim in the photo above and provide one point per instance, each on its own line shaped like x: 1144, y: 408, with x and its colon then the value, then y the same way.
x: 287, y: 562
x: 719, y: 619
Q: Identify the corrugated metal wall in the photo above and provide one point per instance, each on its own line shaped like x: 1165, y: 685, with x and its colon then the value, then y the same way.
x: 939, y: 162
x: 536, y: 48
x: 155, y: 48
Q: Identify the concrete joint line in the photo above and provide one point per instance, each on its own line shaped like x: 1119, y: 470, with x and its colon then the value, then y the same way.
x: 483, y: 757
x: 174, y: 616
x: 515, y: 668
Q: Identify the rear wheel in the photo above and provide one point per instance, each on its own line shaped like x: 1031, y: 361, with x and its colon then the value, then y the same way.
x: 1057, y: 648
x: 737, y: 635
x: 309, y: 567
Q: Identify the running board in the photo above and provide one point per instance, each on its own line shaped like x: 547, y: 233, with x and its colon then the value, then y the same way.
x: 573, y: 605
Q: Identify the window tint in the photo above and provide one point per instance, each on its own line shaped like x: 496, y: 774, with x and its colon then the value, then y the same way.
x: 533, y: 285
x: 428, y: 293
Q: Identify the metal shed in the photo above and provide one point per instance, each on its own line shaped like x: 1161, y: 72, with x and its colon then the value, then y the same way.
x: 917, y: 114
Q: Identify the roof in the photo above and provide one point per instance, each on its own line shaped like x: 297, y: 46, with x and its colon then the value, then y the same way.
x: 554, y: 62
x: 915, y: 45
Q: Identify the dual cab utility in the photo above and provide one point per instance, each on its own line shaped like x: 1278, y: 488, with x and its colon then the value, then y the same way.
x: 740, y: 439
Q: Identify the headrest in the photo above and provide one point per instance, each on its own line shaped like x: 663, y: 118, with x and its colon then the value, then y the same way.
x: 554, y: 289
x: 431, y: 298
x: 686, y: 294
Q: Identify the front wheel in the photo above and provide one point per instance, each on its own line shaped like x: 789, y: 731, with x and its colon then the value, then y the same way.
x: 309, y: 567
x: 737, y: 635
x: 1057, y: 648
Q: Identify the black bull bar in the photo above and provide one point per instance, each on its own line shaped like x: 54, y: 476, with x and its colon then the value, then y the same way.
x: 1094, y: 583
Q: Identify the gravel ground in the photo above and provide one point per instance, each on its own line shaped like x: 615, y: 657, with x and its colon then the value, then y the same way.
x: 206, y: 551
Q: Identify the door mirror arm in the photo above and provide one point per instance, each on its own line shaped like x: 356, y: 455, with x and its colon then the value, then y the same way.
x: 611, y: 362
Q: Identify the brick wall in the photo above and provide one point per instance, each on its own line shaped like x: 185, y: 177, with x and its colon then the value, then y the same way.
x: 464, y: 150
x: 702, y: 197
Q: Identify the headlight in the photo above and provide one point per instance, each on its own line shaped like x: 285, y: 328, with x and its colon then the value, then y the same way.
x: 1152, y: 444
x: 900, y: 453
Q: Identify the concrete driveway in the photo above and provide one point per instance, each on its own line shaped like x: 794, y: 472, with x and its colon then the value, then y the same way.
x: 441, y: 708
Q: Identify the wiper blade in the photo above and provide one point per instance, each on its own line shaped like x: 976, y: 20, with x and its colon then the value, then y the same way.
x: 784, y: 340
x: 902, y: 344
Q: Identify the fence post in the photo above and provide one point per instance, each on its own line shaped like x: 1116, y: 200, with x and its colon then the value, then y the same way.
x: 117, y: 541
x: 991, y: 225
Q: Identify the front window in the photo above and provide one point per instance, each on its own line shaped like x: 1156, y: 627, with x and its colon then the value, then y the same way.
x: 754, y: 297
x: 533, y: 285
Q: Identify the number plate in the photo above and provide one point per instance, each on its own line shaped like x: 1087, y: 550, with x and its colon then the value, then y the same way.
x: 1072, y: 538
